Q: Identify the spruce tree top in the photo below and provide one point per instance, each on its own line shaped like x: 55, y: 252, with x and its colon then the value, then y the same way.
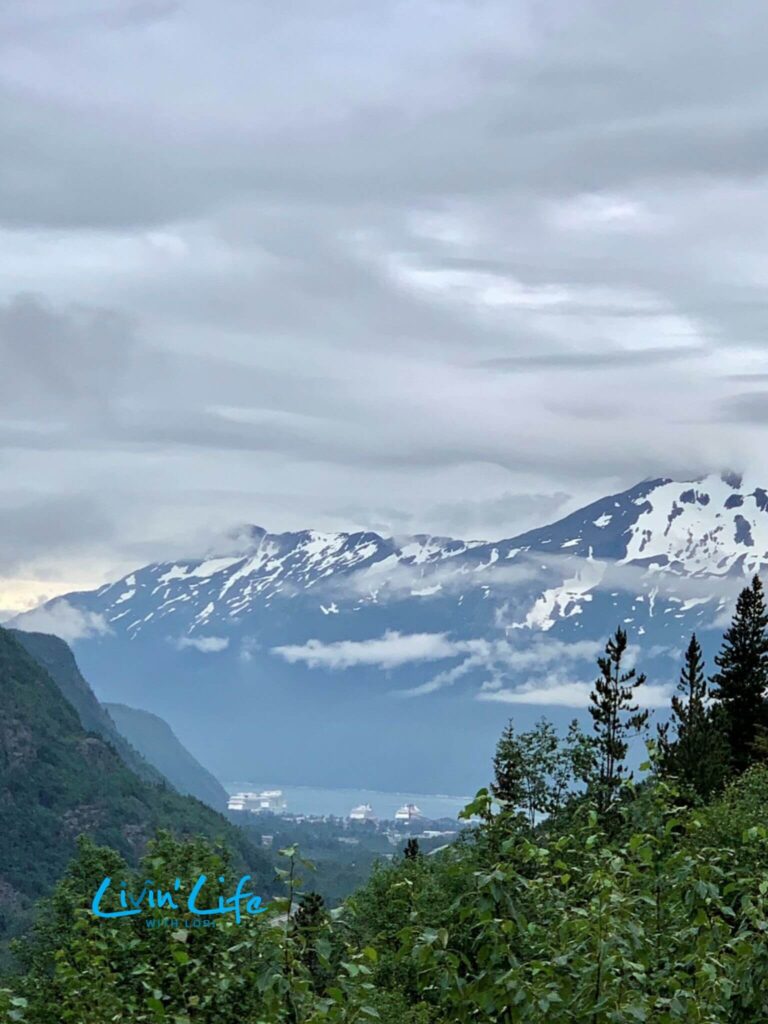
x: 742, y: 678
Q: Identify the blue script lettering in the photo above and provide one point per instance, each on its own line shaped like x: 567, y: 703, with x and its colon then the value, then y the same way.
x: 160, y: 899
x: 229, y: 906
x: 96, y: 904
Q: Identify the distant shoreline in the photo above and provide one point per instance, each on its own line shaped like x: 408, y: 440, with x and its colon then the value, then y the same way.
x: 339, y: 801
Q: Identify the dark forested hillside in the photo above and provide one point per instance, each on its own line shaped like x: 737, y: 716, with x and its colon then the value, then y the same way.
x: 59, y: 662
x: 58, y: 781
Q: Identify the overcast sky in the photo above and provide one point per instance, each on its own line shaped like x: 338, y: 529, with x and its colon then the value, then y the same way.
x: 451, y: 266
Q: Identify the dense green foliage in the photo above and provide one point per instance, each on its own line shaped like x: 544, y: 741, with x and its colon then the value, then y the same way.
x: 663, y: 919
x: 58, y: 781
x: 625, y: 901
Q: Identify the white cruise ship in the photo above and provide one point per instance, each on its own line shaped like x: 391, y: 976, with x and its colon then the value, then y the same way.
x: 257, y: 803
x: 408, y: 812
x: 363, y: 812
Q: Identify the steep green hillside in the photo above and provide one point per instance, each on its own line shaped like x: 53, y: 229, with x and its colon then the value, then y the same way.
x: 58, y: 781
x: 157, y: 743
x: 59, y: 662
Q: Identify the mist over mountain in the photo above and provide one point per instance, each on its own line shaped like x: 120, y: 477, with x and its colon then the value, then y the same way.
x: 156, y: 742
x: 322, y: 658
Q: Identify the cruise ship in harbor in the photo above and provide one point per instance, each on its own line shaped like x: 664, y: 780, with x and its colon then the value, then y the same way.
x: 268, y: 800
x: 271, y: 801
x: 363, y: 812
x: 408, y: 813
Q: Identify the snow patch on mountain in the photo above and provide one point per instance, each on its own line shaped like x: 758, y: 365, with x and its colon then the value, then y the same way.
x: 566, y: 600
x: 630, y: 554
x: 353, y: 638
x: 704, y: 528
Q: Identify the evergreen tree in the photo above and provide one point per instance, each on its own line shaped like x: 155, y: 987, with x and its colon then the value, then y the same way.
x: 523, y: 770
x: 697, y: 754
x: 307, y: 927
x: 615, y: 717
x: 742, y: 681
x: 507, y: 785
x: 411, y: 851
x: 535, y: 771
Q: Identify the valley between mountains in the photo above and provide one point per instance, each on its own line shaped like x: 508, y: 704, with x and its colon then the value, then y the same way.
x: 317, y: 658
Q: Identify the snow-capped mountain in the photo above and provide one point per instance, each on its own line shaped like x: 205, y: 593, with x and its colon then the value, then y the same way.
x: 340, y: 648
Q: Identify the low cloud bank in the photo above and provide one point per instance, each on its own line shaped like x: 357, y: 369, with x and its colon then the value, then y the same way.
x: 204, y: 644
x: 387, y: 651
x: 64, y: 621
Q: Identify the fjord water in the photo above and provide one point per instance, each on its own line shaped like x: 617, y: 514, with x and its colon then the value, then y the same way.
x: 339, y: 802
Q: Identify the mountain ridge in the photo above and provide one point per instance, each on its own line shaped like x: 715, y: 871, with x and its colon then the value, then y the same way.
x: 59, y: 662
x: 332, y: 641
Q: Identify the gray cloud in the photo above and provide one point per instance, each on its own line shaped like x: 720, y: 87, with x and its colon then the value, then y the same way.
x: 589, y: 361
x: 58, y: 359
x: 61, y: 619
x: 494, y: 517
x: 31, y: 528
x: 576, y: 101
x: 256, y: 270
x: 750, y: 407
